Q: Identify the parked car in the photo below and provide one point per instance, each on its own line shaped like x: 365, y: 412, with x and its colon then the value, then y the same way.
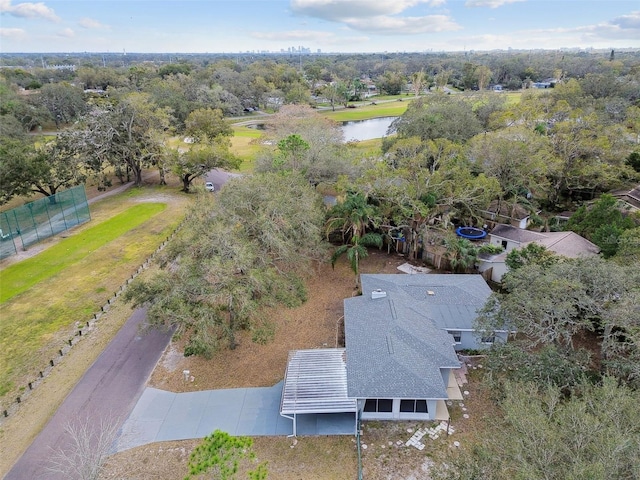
x: 209, y: 186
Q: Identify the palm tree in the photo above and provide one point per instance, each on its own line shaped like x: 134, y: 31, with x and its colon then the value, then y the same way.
x: 352, y: 217
x: 461, y: 253
x: 357, y: 250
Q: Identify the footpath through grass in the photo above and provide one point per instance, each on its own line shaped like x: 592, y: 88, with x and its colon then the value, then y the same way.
x: 47, y: 296
x: 18, y: 277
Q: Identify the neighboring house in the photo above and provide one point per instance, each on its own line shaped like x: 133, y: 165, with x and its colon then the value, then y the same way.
x: 401, y: 339
x: 566, y: 244
x: 631, y: 197
x: 501, y: 212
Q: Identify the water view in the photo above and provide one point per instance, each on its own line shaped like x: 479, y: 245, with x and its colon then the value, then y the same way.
x: 366, y: 129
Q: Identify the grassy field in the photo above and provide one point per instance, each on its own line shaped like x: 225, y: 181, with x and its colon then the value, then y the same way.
x: 19, y: 277
x: 365, y: 112
x: 243, y: 145
x: 48, y: 294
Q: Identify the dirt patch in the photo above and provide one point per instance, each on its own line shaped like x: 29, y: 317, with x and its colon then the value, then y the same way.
x: 315, y: 324
x: 387, y: 455
x: 309, y: 458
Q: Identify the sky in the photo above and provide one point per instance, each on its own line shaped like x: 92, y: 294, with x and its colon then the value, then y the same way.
x: 219, y: 26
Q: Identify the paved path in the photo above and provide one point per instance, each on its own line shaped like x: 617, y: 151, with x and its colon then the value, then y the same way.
x: 109, y: 389
x: 160, y: 416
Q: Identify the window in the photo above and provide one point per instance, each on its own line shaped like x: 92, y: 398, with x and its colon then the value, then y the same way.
x: 413, y: 406
x: 457, y: 335
x: 488, y: 339
x: 380, y: 405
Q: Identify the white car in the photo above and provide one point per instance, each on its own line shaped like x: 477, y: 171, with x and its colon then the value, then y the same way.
x: 209, y: 186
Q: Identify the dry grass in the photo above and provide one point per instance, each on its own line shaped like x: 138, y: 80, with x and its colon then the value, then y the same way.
x: 315, y: 324
x: 47, y: 314
x: 308, y: 458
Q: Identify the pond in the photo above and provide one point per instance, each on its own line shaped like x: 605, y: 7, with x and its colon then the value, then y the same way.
x: 358, y: 130
x: 366, y: 129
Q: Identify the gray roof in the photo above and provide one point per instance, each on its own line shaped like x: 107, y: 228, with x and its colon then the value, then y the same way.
x: 567, y: 244
x: 515, y: 234
x: 454, y: 301
x: 396, y: 345
x: 316, y: 382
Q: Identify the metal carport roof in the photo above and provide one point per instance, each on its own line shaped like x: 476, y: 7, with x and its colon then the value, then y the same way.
x: 316, y: 382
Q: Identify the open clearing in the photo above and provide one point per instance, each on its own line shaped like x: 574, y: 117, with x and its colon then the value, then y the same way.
x: 71, y: 278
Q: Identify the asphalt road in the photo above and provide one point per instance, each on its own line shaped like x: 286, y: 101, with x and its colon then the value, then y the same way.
x: 219, y: 178
x: 108, y: 390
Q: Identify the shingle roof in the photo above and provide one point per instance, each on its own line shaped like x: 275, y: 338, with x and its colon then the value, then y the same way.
x: 397, y: 344
x: 568, y: 244
x: 516, y: 234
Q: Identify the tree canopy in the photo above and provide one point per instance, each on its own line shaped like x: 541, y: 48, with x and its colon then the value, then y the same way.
x: 246, y: 250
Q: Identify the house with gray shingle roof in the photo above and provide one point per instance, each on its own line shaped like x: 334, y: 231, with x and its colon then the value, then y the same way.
x: 567, y: 244
x: 401, y: 339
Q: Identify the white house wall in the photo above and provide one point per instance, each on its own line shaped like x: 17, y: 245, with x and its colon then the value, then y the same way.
x: 396, y: 414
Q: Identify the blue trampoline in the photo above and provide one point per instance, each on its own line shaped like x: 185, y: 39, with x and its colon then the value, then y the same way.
x: 472, y: 233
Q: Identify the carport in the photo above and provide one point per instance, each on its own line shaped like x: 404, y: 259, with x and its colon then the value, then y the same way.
x: 316, y: 383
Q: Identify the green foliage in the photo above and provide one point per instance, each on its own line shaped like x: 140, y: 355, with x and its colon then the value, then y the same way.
x: 634, y: 161
x: 462, y: 253
x: 558, y: 302
x: 539, y: 433
x: 174, y: 69
x: 550, y: 365
x: 438, y: 116
x: 263, y: 334
x: 352, y: 218
x: 602, y: 223
x: 247, y: 249
x: 532, y: 253
x: 628, y: 252
x: 220, y: 455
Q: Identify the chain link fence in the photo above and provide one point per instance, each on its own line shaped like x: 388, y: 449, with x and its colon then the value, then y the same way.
x: 35, y: 221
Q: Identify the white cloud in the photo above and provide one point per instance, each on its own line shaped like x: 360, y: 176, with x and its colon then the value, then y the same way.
x: 338, y: 10
x: 386, y: 25
x: 489, y: 3
x: 631, y: 21
x: 90, y: 23
x: 29, y: 10
x: 12, y: 33
x: 379, y: 16
x: 626, y: 27
x: 67, y: 33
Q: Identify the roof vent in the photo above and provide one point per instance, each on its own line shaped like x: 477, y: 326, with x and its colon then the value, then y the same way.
x: 430, y: 292
x: 378, y: 294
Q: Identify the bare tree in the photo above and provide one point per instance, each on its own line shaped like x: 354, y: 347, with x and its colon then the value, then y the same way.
x: 83, y: 455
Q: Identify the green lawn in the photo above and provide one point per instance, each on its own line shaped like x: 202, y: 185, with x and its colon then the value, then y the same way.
x: 244, y: 146
x: 19, y: 277
x: 365, y: 112
x: 46, y: 295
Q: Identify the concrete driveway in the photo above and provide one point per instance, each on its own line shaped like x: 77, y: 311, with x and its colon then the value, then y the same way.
x: 160, y: 415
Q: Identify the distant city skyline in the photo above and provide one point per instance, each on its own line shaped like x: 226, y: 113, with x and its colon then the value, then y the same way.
x: 327, y: 26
